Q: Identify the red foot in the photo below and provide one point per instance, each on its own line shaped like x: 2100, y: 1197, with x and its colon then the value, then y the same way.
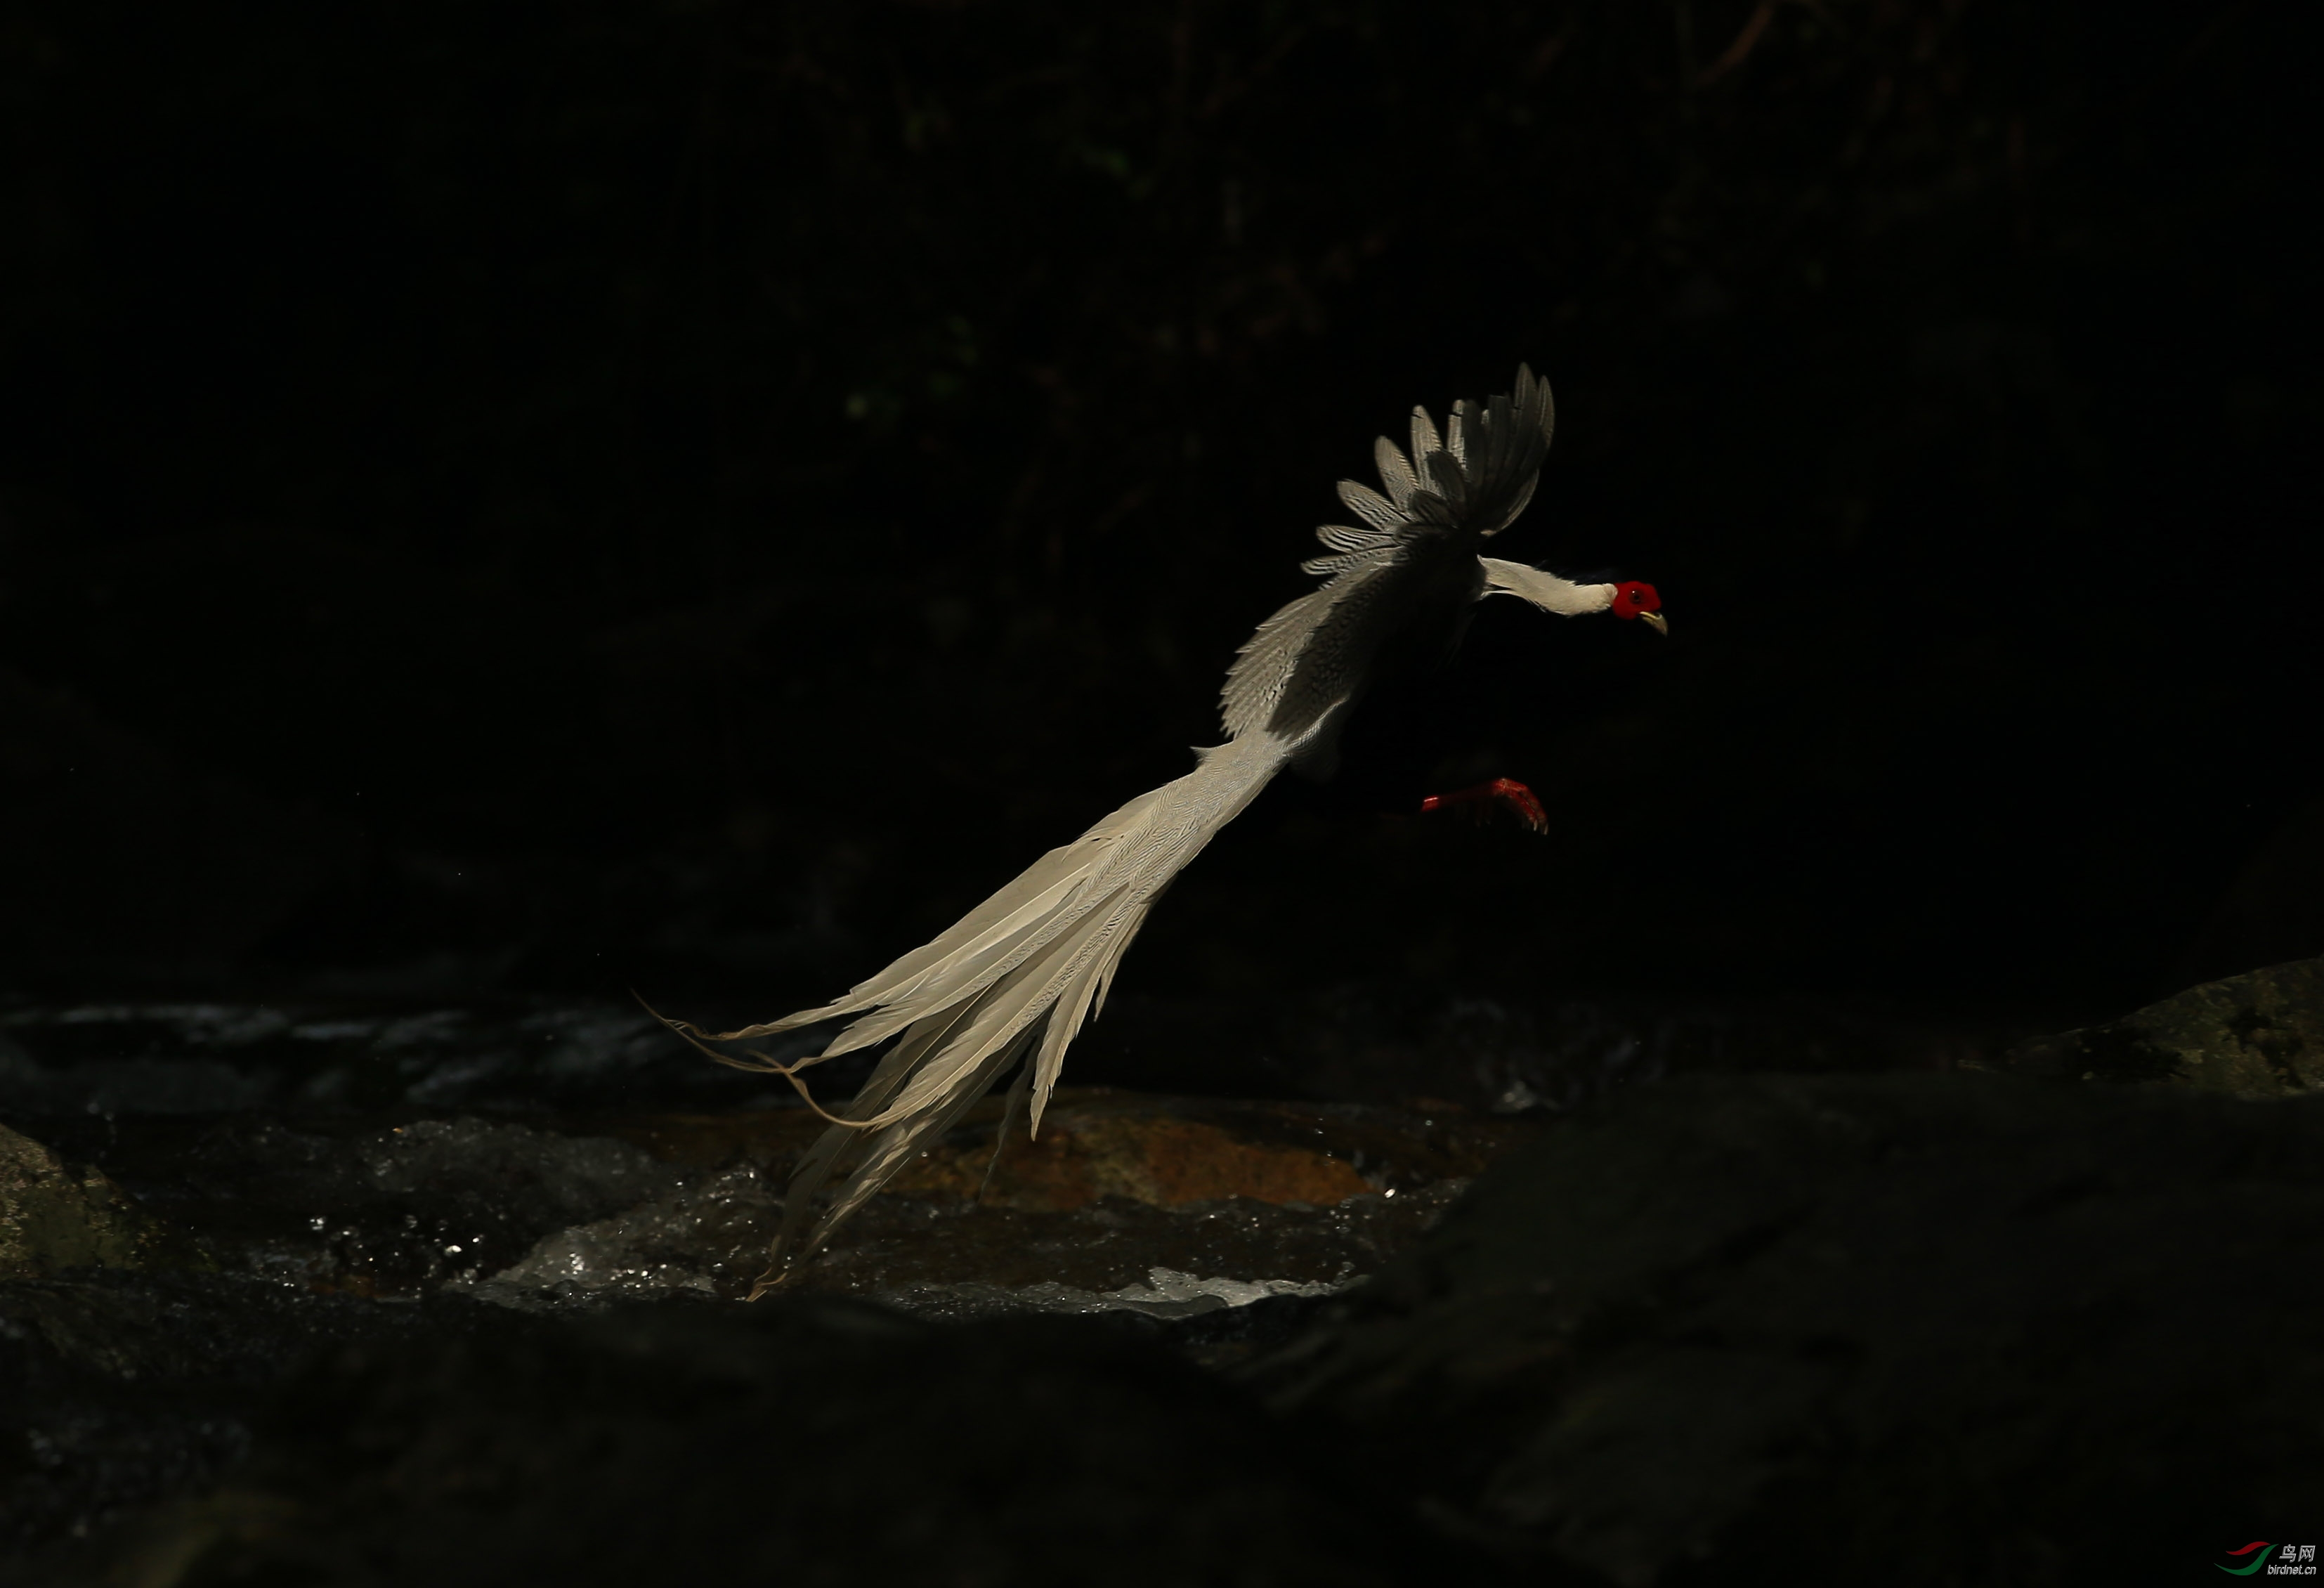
x: 1515, y: 795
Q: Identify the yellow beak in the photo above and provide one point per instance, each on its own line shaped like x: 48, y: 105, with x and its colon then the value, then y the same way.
x: 1654, y: 620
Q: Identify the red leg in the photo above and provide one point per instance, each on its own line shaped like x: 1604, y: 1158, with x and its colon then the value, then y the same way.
x: 1508, y: 790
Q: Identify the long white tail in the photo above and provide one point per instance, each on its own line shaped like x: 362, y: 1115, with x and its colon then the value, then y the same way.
x: 1029, y: 965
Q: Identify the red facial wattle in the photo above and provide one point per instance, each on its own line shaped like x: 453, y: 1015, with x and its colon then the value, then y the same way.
x: 1635, y: 599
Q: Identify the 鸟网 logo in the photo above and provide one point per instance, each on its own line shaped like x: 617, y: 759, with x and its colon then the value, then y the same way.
x: 2277, y: 1560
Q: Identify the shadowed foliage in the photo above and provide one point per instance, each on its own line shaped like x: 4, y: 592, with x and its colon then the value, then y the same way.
x: 711, y: 489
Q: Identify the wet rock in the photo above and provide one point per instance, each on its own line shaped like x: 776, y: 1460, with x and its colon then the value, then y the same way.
x: 1903, y: 1329
x: 708, y: 1233
x: 535, y: 1174
x: 1163, y: 1151
x: 923, y: 1256
x: 125, y: 1059
x: 350, y: 1205
x: 54, y: 1217
x: 585, y: 1209
x: 1166, y: 1294
x: 1158, y: 1160
x: 1169, y: 1152
x: 1172, y: 1229
x: 118, y: 1388
x: 2257, y: 1034
x: 812, y: 1440
x: 1118, y: 1187
x: 1238, y: 1199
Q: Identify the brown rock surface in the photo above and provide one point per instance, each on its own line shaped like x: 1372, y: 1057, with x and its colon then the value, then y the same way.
x: 1118, y: 1184
x: 1085, y: 1154
x: 2257, y: 1034
x: 1163, y: 1152
x: 54, y: 1217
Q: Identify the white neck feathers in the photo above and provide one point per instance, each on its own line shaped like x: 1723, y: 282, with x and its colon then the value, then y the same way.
x: 1544, y: 590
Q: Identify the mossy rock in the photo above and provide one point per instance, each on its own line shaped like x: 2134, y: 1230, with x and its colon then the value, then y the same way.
x: 2257, y: 1034
x: 54, y: 1217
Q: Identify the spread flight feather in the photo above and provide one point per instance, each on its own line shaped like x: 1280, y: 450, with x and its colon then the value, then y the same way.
x: 1011, y: 983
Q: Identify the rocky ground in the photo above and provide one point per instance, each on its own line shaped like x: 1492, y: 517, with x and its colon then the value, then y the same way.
x: 333, y: 1295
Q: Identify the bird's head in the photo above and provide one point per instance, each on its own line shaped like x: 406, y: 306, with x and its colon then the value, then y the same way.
x: 1635, y: 599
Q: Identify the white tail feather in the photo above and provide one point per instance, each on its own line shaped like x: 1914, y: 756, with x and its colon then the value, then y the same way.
x: 1030, y: 963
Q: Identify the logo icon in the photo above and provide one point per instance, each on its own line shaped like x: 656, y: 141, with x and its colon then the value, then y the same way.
x: 2285, y: 1563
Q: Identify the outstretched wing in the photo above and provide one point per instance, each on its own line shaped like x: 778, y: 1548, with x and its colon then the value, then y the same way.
x: 1452, y: 493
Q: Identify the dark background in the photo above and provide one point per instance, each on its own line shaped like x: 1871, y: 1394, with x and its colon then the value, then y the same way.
x: 557, y: 498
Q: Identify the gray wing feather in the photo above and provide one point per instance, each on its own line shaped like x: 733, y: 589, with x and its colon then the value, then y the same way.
x: 1343, y: 538
x: 1395, y: 473
x: 1457, y: 488
x: 1425, y: 442
x: 1368, y: 504
x: 1264, y: 665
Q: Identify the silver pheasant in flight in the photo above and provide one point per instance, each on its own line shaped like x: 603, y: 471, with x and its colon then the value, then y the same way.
x: 1011, y: 983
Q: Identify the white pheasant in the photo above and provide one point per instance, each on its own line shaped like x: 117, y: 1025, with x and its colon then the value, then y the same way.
x: 1011, y: 983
